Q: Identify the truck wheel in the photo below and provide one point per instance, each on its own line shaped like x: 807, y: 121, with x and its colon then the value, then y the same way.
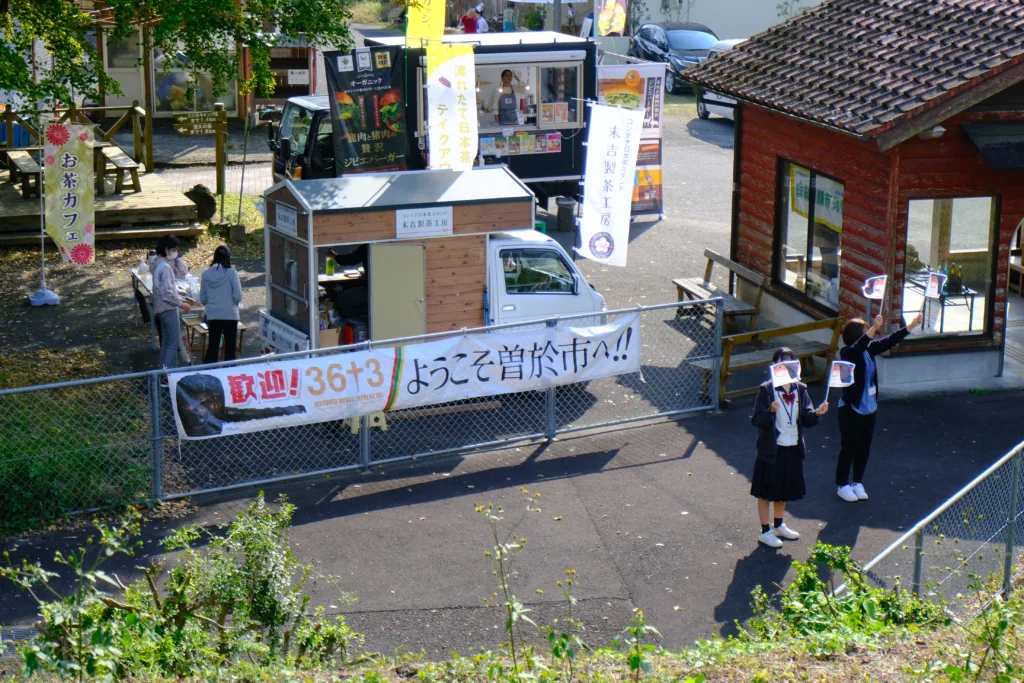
x: 670, y: 84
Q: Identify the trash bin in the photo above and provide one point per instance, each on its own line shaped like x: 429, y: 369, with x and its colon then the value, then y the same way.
x: 566, y: 214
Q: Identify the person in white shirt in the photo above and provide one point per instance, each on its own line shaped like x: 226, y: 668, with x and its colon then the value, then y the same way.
x: 481, y: 23
x: 780, y: 415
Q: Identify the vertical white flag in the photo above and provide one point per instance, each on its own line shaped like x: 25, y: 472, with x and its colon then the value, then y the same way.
x: 451, y: 94
x: 612, y: 143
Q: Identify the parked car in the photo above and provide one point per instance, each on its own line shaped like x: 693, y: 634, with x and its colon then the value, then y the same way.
x: 681, y: 46
x: 710, y: 102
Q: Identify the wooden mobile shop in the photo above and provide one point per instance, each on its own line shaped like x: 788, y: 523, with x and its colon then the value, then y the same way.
x: 883, y: 138
x: 383, y: 256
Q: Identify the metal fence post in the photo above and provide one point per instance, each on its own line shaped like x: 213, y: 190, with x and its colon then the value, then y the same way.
x: 1011, y: 527
x: 550, y: 428
x: 717, y: 374
x: 364, y: 431
x: 156, y: 439
x: 918, y: 563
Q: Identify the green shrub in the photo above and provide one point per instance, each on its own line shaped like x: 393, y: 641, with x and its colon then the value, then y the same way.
x: 238, y: 606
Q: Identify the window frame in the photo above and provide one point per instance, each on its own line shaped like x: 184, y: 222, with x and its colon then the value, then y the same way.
x: 540, y: 251
x: 987, y: 335
x: 778, y: 263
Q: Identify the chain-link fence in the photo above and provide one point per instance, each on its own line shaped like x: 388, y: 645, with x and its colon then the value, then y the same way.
x: 82, y: 445
x: 969, y: 549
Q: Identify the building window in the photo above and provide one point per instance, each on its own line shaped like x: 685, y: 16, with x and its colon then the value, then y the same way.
x: 810, y: 233
x: 954, y: 237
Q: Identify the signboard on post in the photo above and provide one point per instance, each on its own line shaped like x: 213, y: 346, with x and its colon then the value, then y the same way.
x: 70, y: 184
x: 198, y: 123
x: 640, y: 86
x: 286, y: 393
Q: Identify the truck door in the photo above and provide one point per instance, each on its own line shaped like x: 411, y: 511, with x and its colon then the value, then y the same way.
x: 538, y: 282
x: 290, y: 150
x: 397, y: 275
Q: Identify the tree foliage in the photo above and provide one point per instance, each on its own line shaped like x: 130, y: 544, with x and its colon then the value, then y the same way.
x: 203, y: 36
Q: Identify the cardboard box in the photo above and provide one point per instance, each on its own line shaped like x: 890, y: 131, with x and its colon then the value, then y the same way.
x: 330, y: 337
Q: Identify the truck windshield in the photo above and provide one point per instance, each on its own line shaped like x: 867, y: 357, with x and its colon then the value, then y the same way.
x: 295, y: 124
x: 536, y: 271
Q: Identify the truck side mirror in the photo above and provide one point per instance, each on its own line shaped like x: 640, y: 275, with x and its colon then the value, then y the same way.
x: 285, y: 145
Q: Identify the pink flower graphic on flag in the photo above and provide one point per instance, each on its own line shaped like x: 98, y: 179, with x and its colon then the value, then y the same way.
x: 57, y: 135
x: 83, y: 136
x: 49, y: 161
x: 82, y: 254
x: 89, y: 227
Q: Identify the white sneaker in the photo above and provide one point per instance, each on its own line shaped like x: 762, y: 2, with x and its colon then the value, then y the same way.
x: 770, y: 539
x: 847, y: 494
x: 858, y: 489
x: 785, y: 532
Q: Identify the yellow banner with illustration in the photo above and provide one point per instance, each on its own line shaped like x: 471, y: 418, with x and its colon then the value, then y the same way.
x: 451, y: 97
x: 829, y: 196
x: 69, y: 182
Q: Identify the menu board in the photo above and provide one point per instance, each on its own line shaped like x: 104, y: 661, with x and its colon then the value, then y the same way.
x: 521, y: 144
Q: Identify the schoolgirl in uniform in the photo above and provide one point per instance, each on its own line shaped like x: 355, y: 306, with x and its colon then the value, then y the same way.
x: 780, y: 414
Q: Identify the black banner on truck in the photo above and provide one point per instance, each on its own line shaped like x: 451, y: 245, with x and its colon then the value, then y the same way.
x: 366, y: 89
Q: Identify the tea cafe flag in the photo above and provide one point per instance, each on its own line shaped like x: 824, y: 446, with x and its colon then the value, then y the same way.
x: 425, y: 22
x: 874, y: 287
x: 613, y: 139
x: 786, y: 372
x: 69, y: 182
x: 451, y: 95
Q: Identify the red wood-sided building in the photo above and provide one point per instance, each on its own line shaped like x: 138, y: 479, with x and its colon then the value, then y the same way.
x: 883, y: 137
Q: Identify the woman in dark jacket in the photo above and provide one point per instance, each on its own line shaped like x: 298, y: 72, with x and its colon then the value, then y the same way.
x: 780, y: 415
x: 860, y: 401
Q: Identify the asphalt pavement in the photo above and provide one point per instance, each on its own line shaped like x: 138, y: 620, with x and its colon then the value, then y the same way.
x: 656, y: 517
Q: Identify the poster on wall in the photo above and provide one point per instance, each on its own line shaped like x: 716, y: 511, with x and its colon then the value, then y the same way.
x: 451, y: 96
x: 366, y: 89
x: 829, y: 197
x: 68, y: 178
x: 611, y: 19
x: 613, y: 137
x: 328, y: 388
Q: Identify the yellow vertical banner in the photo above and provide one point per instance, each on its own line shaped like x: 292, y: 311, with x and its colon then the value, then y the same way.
x: 425, y: 22
x: 70, y: 183
x: 452, y: 127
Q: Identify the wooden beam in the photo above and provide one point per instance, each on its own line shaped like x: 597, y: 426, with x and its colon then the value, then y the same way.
x: 929, y: 118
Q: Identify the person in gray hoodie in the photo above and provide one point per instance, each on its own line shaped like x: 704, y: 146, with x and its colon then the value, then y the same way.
x: 166, y: 301
x: 221, y: 292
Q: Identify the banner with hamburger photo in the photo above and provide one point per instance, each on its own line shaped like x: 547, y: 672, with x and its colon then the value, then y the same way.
x: 366, y: 89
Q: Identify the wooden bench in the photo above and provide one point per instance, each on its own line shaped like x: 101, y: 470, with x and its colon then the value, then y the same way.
x: 122, y: 162
x: 22, y: 166
x: 692, y: 288
x: 804, y: 350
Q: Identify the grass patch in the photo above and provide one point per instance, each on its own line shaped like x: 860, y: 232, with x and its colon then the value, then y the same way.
x: 367, y: 12
x: 681, y: 104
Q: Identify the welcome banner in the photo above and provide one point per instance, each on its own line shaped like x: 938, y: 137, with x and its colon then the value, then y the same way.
x: 613, y: 139
x: 287, y: 393
x: 69, y: 181
x: 451, y: 95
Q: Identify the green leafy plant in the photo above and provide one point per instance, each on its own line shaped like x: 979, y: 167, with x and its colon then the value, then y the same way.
x: 809, y: 607
x: 238, y: 604
x: 634, y: 637
x: 565, y: 637
x: 534, y: 20
x: 505, y: 545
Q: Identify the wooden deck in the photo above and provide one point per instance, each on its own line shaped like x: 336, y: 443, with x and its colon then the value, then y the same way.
x: 159, y: 207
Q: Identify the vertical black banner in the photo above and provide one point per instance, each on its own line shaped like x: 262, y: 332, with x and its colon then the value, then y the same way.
x: 366, y: 89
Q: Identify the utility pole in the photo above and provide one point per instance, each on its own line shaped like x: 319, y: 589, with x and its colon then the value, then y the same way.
x: 558, y: 16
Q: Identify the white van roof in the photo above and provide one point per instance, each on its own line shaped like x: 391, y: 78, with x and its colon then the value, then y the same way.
x: 517, y: 237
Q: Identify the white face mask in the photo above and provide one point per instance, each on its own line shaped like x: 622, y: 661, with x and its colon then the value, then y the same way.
x: 172, y: 254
